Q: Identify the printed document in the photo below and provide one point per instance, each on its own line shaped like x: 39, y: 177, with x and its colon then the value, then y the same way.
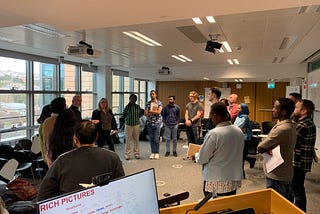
x: 274, y: 160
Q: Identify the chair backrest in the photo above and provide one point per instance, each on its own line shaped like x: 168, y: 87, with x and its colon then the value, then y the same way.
x: 6, y: 152
x: 35, y: 147
x: 23, y: 144
x: 267, y: 126
x: 9, y: 169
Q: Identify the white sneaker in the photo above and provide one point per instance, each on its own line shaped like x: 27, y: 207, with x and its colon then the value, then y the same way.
x: 152, y: 156
x: 156, y: 156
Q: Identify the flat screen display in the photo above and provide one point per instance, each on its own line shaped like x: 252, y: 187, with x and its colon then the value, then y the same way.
x: 136, y: 193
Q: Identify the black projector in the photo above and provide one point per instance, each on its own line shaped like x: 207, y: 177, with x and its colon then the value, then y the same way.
x: 211, y: 46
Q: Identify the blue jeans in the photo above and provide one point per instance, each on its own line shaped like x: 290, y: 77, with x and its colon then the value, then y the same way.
x: 297, y: 189
x: 154, y: 138
x: 193, y: 134
x: 168, y: 133
x: 281, y: 187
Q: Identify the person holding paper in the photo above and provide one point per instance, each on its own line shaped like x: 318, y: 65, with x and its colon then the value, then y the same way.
x: 283, y: 134
x: 304, y: 150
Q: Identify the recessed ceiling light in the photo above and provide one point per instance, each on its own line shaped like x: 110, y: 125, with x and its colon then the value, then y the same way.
x: 227, y: 46
x: 141, y: 38
x: 210, y: 19
x: 178, y: 58
x: 146, y: 38
x: 230, y: 61
x: 184, y: 57
x: 197, y: 20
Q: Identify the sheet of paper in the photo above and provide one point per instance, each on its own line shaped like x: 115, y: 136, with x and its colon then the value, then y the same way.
x: 154, y: 107
x: 274, y: 160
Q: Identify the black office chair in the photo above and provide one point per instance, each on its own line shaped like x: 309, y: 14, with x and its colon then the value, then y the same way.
x: 23, y: 167
x: 267, y: 126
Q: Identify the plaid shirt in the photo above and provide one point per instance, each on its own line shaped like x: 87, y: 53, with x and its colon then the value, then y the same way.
x: 306, y: 138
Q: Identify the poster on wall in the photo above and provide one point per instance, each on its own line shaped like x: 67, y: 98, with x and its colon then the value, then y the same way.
x: 225, y: 92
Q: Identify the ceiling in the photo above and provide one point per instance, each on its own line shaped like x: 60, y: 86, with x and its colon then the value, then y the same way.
x: 254, y: 29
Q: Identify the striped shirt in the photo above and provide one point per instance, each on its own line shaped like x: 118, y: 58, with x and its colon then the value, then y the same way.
x: 304, y: 149
x: 131, y: 114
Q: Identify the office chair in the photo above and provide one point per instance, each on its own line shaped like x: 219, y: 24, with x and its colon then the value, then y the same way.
x: 23, y: 166
x: 267, y: 126
x: 8, y: 170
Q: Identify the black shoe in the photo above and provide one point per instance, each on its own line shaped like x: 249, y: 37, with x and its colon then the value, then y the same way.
x: 167, y: 154
x: 175, y: 154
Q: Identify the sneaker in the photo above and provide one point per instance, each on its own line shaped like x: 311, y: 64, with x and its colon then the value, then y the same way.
x: 175, y: 154
x: 137, y: 156
x: 167, y: 154
x: 127, y: 157
x: 152, y: 156
x: 156, y: 156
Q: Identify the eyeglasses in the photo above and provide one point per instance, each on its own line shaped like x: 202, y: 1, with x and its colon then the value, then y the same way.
x: 170, y: 99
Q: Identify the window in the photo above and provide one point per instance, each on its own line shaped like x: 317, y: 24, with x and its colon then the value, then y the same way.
x: 21, y: 103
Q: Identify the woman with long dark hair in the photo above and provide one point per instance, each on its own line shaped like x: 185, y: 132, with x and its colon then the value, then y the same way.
x: 61, y: 138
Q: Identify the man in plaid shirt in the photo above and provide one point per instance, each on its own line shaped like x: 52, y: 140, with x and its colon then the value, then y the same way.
x: 304, y: 150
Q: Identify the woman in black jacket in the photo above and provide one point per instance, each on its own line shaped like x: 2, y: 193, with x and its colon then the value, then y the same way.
x: 105, y: 122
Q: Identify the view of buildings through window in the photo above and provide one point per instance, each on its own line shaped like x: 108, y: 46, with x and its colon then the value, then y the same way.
x: 26, y: 86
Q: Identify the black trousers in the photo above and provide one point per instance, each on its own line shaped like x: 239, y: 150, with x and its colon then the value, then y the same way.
x: 105, y: 138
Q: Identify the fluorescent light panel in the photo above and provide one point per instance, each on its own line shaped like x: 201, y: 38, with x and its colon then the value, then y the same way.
x: 227, y: 46
x: 141, y: 38
x: 234, y: 61
x: 197, y: 20
x: 230, y: 61
x: 210, y: 19
x: 46, y: 30
x: 178, y: 58
x: 184, y: 57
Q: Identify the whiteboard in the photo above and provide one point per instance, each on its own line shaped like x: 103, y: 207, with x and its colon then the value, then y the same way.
x: 314, y: 88
x: 314, y: 96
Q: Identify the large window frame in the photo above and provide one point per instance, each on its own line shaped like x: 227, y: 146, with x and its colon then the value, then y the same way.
x: 122, y: 87
x: 34, y: 96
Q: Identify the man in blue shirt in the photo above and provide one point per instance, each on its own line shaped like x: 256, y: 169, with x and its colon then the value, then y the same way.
x: 171, y: 118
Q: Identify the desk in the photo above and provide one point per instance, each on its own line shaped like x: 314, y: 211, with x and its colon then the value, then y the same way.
x: 256, y: 131
x: 262, y: 201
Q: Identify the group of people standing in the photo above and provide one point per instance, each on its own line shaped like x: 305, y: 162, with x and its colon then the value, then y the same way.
x: 221, y: 153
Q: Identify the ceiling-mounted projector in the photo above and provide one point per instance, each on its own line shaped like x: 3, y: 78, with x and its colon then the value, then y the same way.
x: 212, y: 46
x: 164, y: 70
x: 83, y: 50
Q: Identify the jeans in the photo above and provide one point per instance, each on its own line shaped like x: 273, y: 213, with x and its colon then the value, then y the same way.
x: 193, y: 134
x: 297, y: 189
x: 168, y: 132
x: 281, y: 187
x: 154, y: 138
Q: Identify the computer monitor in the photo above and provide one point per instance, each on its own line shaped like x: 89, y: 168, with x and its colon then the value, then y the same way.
x: 136, y: 193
